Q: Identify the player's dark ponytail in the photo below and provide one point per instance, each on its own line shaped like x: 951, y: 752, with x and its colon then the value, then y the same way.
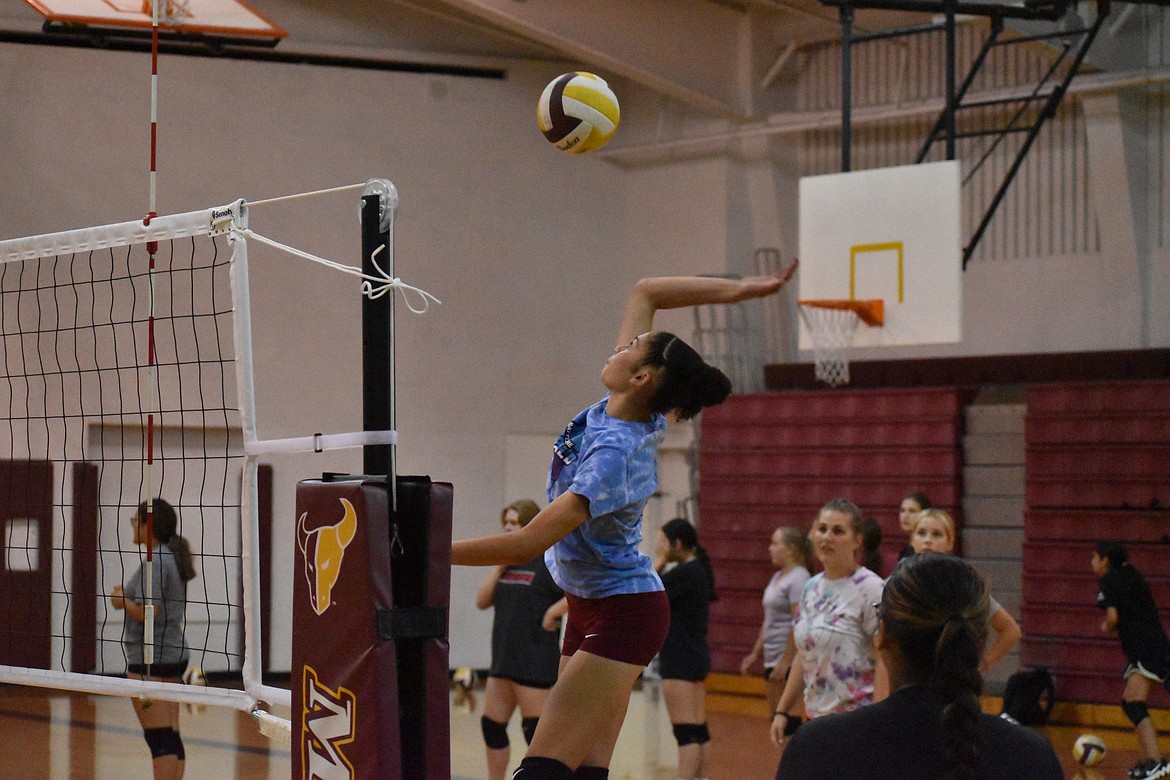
x: 689, y: 383
x: 680, y: 529
x: 165, y: 531
x: 935, y: 608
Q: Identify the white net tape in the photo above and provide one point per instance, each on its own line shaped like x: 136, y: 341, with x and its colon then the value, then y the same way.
x: 831, y: 331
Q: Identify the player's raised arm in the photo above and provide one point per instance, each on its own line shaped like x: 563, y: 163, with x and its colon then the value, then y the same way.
x: 673, y: 292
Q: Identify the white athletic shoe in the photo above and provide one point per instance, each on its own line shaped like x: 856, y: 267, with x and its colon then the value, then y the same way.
x: 1150, y: 769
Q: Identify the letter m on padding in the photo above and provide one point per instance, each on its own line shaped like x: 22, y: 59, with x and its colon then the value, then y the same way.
x: 329, y: 723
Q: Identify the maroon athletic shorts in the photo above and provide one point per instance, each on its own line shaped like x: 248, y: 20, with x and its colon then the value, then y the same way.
x: 629, y: 628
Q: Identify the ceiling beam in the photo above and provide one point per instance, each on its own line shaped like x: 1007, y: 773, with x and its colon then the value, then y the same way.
x: 690, y: 50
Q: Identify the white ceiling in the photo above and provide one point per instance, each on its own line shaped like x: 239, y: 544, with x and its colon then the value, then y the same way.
x: 716, y: 61
x: 714, y: 56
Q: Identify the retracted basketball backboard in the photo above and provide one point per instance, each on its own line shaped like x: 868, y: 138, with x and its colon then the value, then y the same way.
x: 888, y: 234
x: 214, y: 18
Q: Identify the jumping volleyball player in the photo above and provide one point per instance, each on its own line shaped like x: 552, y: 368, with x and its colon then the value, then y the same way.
x: 603, y: 471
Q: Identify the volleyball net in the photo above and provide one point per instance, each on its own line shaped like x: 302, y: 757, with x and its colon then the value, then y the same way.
x: 127, y: 375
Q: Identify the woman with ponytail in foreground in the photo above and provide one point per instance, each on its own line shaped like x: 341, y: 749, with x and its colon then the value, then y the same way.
x: 931, y: 632
x: 603, y: 471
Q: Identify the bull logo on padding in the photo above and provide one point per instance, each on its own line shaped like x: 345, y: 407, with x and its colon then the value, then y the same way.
x: 323, y: 549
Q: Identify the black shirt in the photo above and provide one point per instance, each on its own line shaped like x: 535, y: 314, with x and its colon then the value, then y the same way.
x: 1139, y: 627
x: 521, y: 649
x: 685, y: 654
x: 901, y: 737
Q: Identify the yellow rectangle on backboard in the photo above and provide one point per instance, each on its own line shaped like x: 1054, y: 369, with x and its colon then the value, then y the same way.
x: 866, y: 251
x: 892, y: 234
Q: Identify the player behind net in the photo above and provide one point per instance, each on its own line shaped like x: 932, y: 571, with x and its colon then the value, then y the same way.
x: 165, y: 591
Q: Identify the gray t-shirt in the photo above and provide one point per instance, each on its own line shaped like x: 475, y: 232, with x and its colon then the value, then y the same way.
x: 782, y: 593
x: 170, y: 609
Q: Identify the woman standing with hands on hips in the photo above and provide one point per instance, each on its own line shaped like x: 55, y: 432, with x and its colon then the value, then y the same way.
x: 526, y: 644
x: 836, y: 665
x: 604, y: 470
x: 934, y: 531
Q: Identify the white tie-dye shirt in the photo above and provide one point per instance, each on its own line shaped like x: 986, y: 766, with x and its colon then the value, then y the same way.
x: 614, y: 465
x: 834, y: 633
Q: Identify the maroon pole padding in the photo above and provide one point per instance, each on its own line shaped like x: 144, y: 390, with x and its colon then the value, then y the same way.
x: 421, y: 539
x: 438, y: 659
x: 345, y: 718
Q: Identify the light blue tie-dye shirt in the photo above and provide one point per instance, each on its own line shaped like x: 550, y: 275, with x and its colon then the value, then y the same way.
x: 613, y: 464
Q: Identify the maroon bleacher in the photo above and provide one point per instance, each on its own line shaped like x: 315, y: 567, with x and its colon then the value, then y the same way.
x: 772, y: 459
x: 1098, y: 467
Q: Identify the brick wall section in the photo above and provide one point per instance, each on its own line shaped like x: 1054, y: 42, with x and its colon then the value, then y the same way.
x: 993, y: 508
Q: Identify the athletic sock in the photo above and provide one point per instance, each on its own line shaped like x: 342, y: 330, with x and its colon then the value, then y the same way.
x: 591, y: 773
x: 541, y: 768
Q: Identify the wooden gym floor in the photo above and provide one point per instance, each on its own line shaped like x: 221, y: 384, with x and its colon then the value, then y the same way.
x: 55, y: 735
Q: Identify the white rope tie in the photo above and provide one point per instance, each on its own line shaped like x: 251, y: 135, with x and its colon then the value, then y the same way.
x: 343, y: 188
x: 373, y: 287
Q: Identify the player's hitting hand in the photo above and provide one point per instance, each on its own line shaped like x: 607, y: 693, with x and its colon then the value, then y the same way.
x: 760, y: 286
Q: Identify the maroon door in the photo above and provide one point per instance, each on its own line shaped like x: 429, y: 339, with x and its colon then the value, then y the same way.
x: 26, y: 534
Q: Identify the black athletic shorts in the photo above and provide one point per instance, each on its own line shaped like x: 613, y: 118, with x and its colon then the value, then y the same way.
x: 159, y: 670
x: 684, y: 666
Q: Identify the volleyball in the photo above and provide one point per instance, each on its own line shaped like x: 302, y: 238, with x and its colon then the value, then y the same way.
x: 194, y: 676
x: 1089, y: 749
x: 578, y: 112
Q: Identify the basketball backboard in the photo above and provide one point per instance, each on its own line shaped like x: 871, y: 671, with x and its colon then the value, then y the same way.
x: 218, y: 18
x: 891, y: 234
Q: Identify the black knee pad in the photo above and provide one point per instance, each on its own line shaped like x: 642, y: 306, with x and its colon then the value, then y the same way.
x: 495, y: 734
x: 528, y: 726
x: 691, y: 733
x: 164, y: 742
x: 1136, y: 711
x: 591, y: 773
x: 791, y: 724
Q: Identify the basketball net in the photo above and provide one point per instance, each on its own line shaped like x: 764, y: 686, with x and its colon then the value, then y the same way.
x: 831, y: 331
x: 831, y: 325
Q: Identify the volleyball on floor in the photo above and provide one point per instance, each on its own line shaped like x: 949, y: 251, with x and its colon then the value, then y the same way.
x: 1089, y: 749
x: 578, y: 112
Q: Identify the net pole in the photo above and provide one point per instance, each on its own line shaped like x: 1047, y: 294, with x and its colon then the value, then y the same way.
x: 379, y: 203
x: 253, y: 667
x: 151, y: 369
